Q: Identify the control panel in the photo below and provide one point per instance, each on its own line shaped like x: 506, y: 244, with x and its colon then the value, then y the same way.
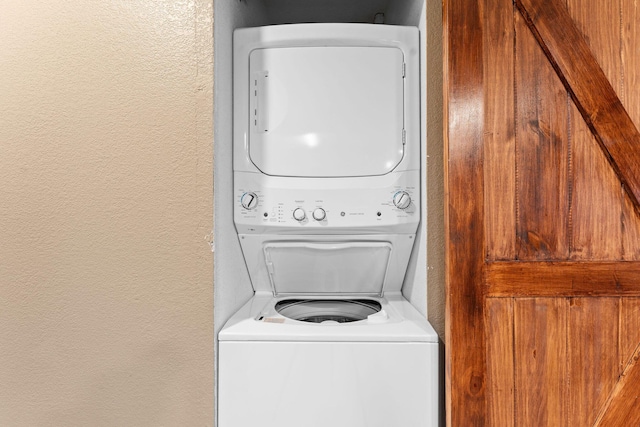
x: 371, y: 205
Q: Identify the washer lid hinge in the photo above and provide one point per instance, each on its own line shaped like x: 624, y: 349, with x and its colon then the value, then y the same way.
x: 404, y: 70
x: 271, y: 272
x: 404, y: 137
x: 269, y: 265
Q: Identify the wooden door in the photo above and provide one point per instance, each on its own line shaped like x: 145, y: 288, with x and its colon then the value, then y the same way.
x: 542, y: 163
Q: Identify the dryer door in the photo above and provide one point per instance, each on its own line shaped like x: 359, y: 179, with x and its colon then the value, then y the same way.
x: 326, y: 111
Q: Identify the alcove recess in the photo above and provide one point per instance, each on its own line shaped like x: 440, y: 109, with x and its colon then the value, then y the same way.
x: 232, y: 286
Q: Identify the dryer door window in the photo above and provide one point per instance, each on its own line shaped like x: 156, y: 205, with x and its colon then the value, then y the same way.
x: 326, y: 111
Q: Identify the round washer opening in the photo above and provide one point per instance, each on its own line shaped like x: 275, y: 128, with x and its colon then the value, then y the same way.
x: 326, y: 310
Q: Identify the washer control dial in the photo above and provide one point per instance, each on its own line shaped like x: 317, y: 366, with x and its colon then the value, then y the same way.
x: 249, y: 200
x: 319, y: 214
x: 299, y: 214
x: 401, y: 200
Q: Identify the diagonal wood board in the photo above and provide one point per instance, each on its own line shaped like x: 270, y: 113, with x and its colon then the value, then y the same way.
x: 619, y: 139
x: 597, y: 101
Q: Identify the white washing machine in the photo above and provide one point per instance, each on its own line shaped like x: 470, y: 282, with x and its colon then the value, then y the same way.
x: 326, y: 206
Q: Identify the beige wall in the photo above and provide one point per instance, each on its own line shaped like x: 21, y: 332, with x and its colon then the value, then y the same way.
x: 432, y: 66
x: 105, y: 199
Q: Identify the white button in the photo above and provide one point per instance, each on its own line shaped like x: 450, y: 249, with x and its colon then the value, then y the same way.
x: 319, y: 214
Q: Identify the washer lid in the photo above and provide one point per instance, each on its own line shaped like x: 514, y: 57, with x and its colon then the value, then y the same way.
x: 326, y: 111
x: 350, y: 268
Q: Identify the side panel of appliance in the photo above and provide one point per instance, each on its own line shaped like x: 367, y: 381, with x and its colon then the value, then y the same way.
x: 319, y: 384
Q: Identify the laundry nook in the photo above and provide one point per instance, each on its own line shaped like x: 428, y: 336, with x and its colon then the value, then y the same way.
x: 326, y: 206
x: 320, y: 306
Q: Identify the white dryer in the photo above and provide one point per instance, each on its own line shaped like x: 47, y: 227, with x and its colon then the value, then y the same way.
x: 326, y: 206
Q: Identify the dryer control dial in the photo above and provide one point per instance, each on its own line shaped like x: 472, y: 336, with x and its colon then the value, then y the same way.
x: 299, y: 214
x: 401, y: 200
x: 319, y: 214
x: 249, y: 200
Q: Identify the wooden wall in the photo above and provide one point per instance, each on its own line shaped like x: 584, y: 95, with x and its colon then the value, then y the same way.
x: 542, y: 106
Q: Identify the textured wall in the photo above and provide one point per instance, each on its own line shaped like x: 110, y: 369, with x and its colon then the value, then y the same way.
x: 105, y: 198
x: 432, y: 66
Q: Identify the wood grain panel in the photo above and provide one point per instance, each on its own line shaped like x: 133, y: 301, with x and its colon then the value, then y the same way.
x: 599, y: 24
x: 595, y: 98
x: 542, y: 316
x: 541, y: 153
x: 499, y: 134
x: 630, y: 36
x: 630, y: 57
x: 500, y: 369
x: 464, y: 178
x: 622, y: 406
x: 594, y: 363
x: 540, y: 330
x: 629, y: 329
x: 630, y: 230
x: 559, y: 279
x: 596, y: 202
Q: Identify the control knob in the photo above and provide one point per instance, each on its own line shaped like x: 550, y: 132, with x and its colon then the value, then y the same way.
x: 249, y: 200
x: 319, y: 214
x: 401, y: 200
x: 299, y: 214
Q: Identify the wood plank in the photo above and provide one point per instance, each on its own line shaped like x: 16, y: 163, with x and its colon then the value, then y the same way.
x: 594, y: 364
x: 622, y: 408
x: 540, y: 330
x: 597, y: 101
x: 630, y: 36
x: 628, y: 345
x: 499, y: 130
x: 599, y: 24
x: 622, y: 404
x: 464, y: 219
x: 630, y: 230
x: 629, y: 329
x: 608, y: 278
x: 596, y: 202
x: 500, y: 369
x: 541, y: 153
x: 596, y: 205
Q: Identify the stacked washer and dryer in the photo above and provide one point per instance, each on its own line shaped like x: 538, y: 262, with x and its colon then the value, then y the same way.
x: 326, y: 207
